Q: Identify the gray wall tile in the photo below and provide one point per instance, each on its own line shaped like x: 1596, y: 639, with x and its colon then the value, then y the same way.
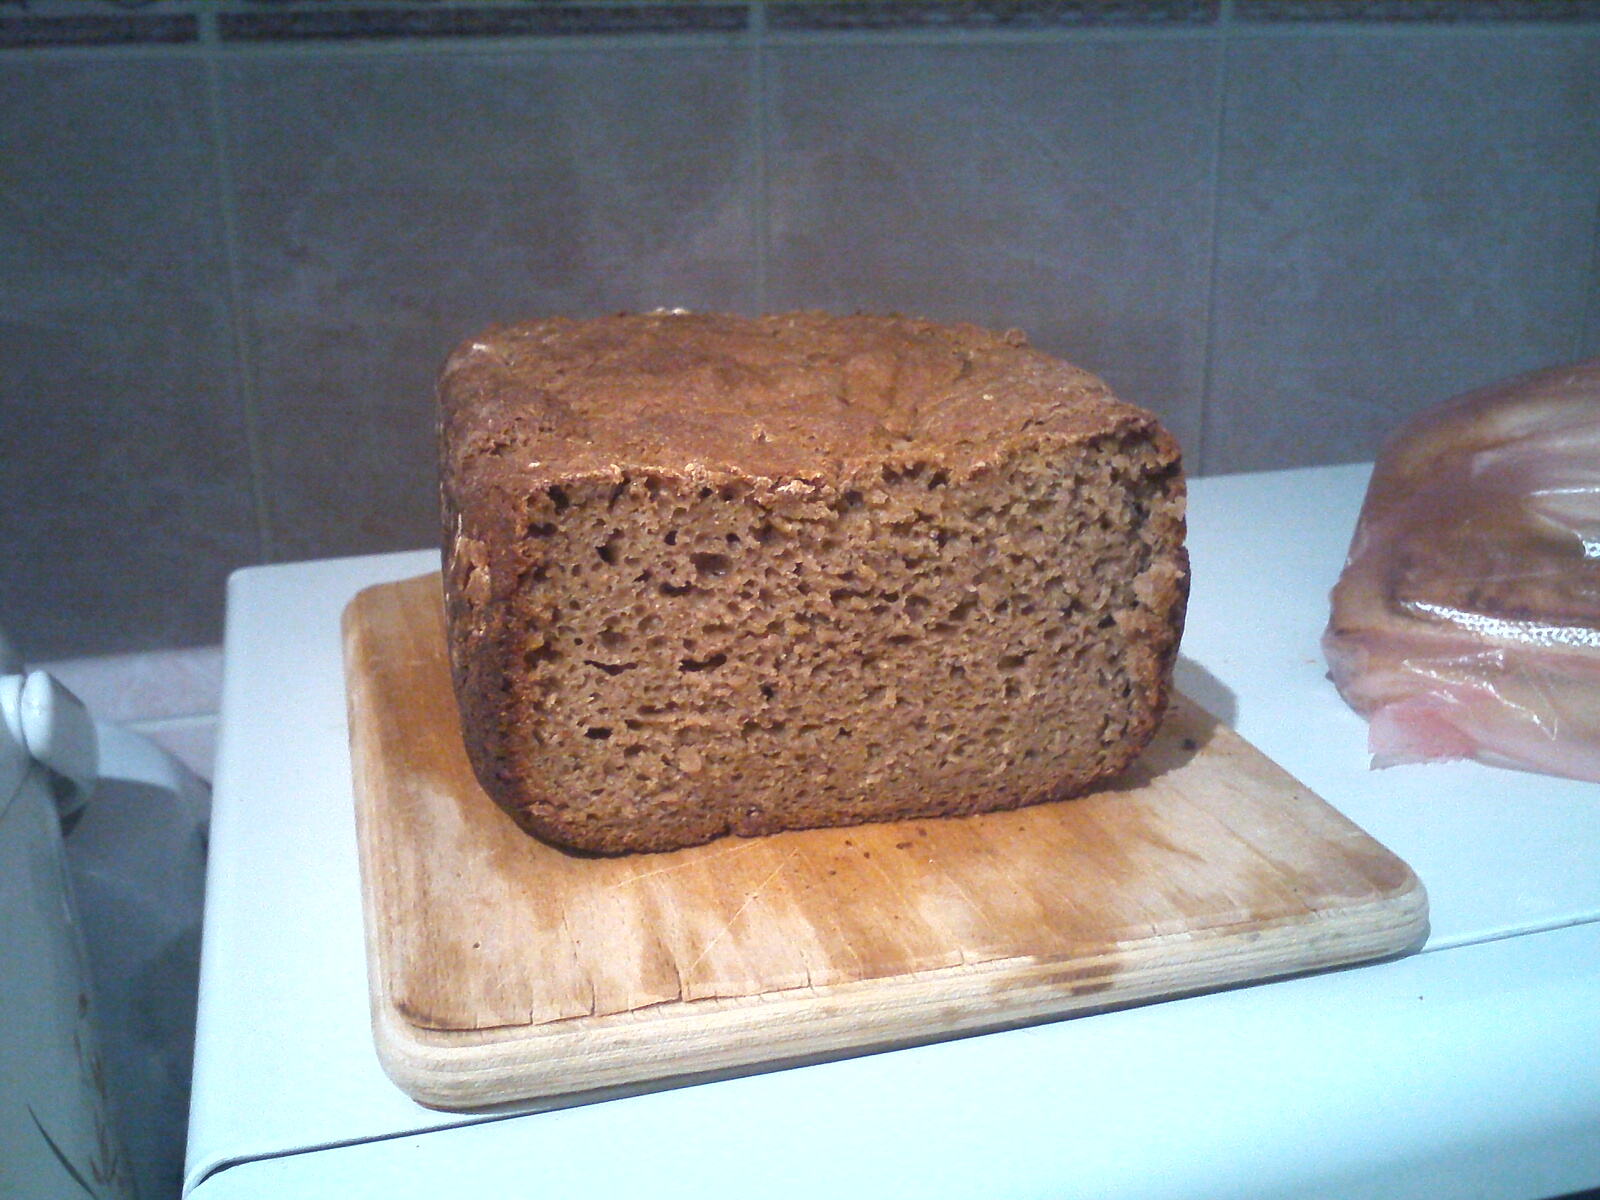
x: 389, y: 207
x: 1401, y: 219
x: 124, y: 474
x: 1059, y: 188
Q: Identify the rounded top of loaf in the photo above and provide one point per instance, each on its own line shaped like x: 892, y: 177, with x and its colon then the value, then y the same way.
x: 805, y: 396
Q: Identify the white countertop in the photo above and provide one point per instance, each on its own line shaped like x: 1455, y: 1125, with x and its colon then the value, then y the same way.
x: 1472, y: 1068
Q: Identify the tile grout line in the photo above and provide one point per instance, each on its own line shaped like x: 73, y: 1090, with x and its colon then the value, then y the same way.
x: 758, y: 138
x: 1587, y: 339
x: 243, y: 374
x: 1213, y: 230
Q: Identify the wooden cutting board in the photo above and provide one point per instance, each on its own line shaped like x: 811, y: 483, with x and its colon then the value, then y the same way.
x: 504, y: 969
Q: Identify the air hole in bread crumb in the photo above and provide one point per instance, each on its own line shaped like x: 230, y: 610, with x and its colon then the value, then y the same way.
x: 702, y: 664
x: 558, y: 497
x: 711, y: 564
x: 598, y: 732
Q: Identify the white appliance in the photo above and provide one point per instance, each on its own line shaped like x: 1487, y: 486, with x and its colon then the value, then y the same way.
x: 102, y: 854
x: 1471, y: 1069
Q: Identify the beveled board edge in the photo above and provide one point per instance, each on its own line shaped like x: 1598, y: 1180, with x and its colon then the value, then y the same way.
x: 454, y: 1070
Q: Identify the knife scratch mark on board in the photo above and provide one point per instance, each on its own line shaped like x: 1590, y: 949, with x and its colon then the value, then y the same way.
x: 734, y: 920
x: 691, y: 864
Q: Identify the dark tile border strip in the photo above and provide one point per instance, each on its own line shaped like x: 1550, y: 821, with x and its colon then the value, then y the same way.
x: 1439, y: 12
x: 90, y: 30
x: 480, y: 21
x: 565, y: 18
x: 987, y: 14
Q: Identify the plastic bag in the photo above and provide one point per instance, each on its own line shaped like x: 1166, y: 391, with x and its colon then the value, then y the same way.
x: 1466, y: 622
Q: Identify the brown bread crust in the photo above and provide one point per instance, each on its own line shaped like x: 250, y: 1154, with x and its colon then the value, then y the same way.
x: 707, y: 574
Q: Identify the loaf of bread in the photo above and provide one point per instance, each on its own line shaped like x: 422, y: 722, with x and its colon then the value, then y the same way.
x: 710, y: 575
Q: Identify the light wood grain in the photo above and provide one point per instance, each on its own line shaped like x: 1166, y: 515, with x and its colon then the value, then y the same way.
x: 502, y: 968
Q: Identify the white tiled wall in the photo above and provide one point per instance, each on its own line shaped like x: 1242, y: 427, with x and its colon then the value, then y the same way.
x: 231, y: 268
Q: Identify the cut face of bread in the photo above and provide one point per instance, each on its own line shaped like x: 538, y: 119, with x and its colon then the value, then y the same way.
x: 706, y: 575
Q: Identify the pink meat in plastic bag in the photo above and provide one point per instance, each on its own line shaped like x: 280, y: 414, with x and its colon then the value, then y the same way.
x: 1466, y: 623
